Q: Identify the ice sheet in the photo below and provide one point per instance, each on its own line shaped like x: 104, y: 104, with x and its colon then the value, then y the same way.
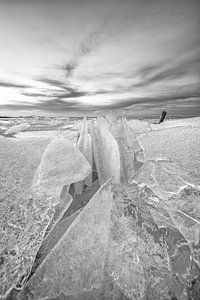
x: 181, y: 145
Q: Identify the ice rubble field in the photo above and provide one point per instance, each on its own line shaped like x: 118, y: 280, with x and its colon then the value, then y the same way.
x: 114, y: 215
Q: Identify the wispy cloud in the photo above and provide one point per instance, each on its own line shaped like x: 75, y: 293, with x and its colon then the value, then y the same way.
x: 176, y: 98
x: 9, y: 84
x: 62, y: 90
x: 169, y: 71
x: 86, y: 48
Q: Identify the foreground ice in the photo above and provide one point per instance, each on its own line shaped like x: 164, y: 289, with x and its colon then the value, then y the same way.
x: 115, y: 250
x: 33, y: 173
x: 136, y: 240
x: 76, y: 263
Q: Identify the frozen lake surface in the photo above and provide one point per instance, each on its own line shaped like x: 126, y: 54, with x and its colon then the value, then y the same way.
x: 99, y: 209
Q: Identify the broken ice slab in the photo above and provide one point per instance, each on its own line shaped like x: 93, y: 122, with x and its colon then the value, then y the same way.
x: 83, y: 144
x: 83, y: 134
x: 162, y: 218
x: 19, y: 219
x: 110, y: 150
x: 187, y: 201
x: 17, y: 128
x: 176, y: 169
x: 139, y: 126
x: 19, y: 160
x: 52, y: 238
x: 181, y: 145
x: 76, y: 263
x: 137, y: 260
x: 188, y: 226
x: 184, y: 209
x: 97, y: 146
x: 166, y: 180
x: 144, y: 175
x: 62, y: 164
x: 88, y: 153
x: 164, y: 177
x: 28, y: 201
x: 125, y: 131
x: 62, y: 206
x: 127, y: 159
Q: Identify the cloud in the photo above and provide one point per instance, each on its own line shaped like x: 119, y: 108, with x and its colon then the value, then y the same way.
x: 53, y: 105
x: 34, y: 94
x: 86, y: 48
x: 179, y: 99
x: 169, y: 71
x: 52, y: 82
x: 9, y: 84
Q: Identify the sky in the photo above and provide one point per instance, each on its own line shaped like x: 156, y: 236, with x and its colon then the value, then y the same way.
x: 91, y: 57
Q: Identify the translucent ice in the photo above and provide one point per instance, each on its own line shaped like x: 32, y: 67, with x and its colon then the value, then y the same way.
x: 33, y: 173
x: 62, y: 164
x: 84, y: 145
x: 110, y: 149
x: 139, y: 126
x: 17, y: 128
x: 181, y: 145
x: 20, y: 221
x: 76, y: 263
x: 97, y: 147
x: 106, y: 152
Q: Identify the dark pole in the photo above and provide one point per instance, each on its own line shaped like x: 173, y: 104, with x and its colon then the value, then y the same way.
x: 163, y: 115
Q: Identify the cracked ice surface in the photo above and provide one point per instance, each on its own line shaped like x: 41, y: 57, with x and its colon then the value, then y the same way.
x: 115, y: 250
x: 131, y: 241
x: 33, y: 172
x: 181, y: 145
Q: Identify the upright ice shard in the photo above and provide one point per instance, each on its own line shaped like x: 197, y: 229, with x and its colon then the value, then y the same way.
x: 76, y: 263
x: 127, y: 143
x: 110, y: 149
x: 97, y: 146
x: 84, y: 145
x: 88, y: 153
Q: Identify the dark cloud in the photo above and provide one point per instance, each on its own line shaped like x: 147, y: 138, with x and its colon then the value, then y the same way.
x: 180, y: 99
x: 52, y: 82
x: 35, y: 94
x: 53, y: 105
x: 9, y: 84
x: 72, y: 94
x: 62, y: 90
x: 169, y: 71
